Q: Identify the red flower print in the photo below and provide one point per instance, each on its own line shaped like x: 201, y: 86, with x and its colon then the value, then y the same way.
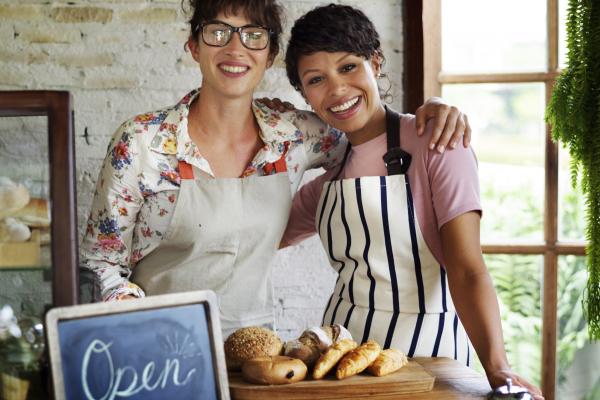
x: 147, y: 232
x: 110, y: 242
x: 171, y: 198
x: 326, y: 144
x: 136, y: 256
x: 123, y: 211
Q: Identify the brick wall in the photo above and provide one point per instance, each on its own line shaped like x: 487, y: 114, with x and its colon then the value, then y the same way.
x: 122, y: 57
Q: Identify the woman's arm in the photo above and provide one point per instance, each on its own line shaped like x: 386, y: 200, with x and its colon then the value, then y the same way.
x: 475, y: 298
x: 106, y: 246
x: 450, y: 124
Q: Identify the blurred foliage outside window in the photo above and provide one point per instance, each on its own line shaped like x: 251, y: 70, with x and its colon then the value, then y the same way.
x: 509, y: 141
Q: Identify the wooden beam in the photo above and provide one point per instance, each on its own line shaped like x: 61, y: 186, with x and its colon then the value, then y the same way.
x: 498, y: 78
x: 413, y: 55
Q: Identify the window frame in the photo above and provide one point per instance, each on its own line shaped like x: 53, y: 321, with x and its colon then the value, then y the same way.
x: 425, y: 79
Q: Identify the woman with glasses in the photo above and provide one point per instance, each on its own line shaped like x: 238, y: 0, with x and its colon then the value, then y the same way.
x: 197, y: 195
x: 400, y: 223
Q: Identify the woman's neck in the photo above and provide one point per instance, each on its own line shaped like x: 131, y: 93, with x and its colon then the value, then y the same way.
x: 222, y: 119
x: 373, y: 128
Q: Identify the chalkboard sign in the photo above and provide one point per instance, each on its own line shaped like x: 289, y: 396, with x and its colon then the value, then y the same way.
x: 159, y: 347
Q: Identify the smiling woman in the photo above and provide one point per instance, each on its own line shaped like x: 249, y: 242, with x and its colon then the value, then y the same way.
x: 181, y: 201
x: 400, y: 224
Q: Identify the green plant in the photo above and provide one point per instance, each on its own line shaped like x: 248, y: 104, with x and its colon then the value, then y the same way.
x: 574, y: 113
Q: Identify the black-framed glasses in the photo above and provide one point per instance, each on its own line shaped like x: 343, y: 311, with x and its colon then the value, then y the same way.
x: 219, y: 34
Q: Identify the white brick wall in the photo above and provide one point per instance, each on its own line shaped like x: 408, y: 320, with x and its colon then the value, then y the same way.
x: 116, y: 65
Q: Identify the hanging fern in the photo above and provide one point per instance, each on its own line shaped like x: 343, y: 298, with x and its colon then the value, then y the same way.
x: 574, y: 113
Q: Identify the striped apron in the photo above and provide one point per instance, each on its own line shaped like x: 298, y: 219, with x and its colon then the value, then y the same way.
x: 390, y: 287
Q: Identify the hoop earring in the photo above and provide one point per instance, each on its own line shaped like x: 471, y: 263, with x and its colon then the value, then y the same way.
x: 385, y: 92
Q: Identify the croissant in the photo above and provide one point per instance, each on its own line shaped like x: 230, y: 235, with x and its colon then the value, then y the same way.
x: 358, y: 359
x: 328, y: 359
x: 388, y: 361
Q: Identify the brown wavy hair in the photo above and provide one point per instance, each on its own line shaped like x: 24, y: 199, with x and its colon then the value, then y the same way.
x: 267, y: 13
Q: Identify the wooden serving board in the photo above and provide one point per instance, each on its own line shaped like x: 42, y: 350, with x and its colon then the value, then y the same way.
x: 411, y: 378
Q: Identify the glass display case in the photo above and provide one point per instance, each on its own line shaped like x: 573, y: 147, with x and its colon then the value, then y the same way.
x: 38, y: 234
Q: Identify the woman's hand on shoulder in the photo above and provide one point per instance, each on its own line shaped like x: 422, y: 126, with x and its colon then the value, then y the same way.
x: 276, y: 104
x: 498, y: 378
x: 450, y: 124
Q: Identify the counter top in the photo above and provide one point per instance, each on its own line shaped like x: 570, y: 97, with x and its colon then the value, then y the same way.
x: 449, y: 378
x: 453, y: 380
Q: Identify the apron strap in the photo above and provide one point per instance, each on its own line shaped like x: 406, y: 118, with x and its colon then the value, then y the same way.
x: 279, y: 165
x: 185, y: 170
x: 396, y: 160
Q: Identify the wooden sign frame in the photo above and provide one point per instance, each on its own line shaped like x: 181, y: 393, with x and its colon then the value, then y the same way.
x: 89, y: 311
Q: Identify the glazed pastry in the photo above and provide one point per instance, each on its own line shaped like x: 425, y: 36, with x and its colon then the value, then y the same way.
x: 250, y: 342
x: 331, y: 357
x: 388, y: 361
x: 358, y: 359
x: 273, y: 370
x: 314, y: 341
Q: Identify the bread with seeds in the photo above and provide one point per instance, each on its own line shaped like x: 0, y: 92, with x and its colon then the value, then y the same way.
x: 250, y: 342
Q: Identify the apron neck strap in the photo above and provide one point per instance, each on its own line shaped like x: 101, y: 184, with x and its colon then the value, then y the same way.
x: 186, y: 171
x: 396, y: 160
x: 280, y: 165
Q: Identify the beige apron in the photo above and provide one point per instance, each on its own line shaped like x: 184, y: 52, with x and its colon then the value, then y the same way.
x: 223, y: 237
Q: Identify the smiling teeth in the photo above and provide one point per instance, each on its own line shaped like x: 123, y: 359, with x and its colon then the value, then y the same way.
x: 345, y: 106
x: 234, y: 69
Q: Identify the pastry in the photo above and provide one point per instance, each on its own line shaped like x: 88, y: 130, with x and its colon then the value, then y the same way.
x: 273, y: 370
x: 388, y: 361
x: 358, y: 359
x: 12, y: 197
x: 35, y: 214
x: 250, y: 342
x: 331, y: 357
x: 14, y: 231
x: 314, y: 341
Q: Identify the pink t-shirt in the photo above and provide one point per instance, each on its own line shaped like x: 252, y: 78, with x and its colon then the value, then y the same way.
x: 443, y: 186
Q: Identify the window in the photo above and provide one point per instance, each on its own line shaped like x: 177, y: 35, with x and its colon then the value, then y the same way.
x: 498, y: 61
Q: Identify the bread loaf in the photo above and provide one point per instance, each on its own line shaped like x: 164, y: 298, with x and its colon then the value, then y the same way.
x: 358, y: 359
x: 250, y: 342
x: 331, y: 357
x: 12, y: 197
x: 388, y: 361
x: 314, y: 341
x: 273, y: 370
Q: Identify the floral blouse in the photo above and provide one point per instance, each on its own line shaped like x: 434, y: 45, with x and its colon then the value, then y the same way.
x: 137, y: 188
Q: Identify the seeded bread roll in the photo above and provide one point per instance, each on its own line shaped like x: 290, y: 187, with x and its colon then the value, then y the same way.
x: 251, y: 342
x: 273, y: 370
x: 358, y: 359
x: 388, y: 361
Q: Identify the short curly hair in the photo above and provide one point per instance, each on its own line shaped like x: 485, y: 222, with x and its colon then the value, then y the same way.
x: 267, y: 13
x: 332, y: 28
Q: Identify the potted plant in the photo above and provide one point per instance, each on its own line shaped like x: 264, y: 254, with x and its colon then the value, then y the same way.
x: 574, y: 114
x: 21, y: 348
